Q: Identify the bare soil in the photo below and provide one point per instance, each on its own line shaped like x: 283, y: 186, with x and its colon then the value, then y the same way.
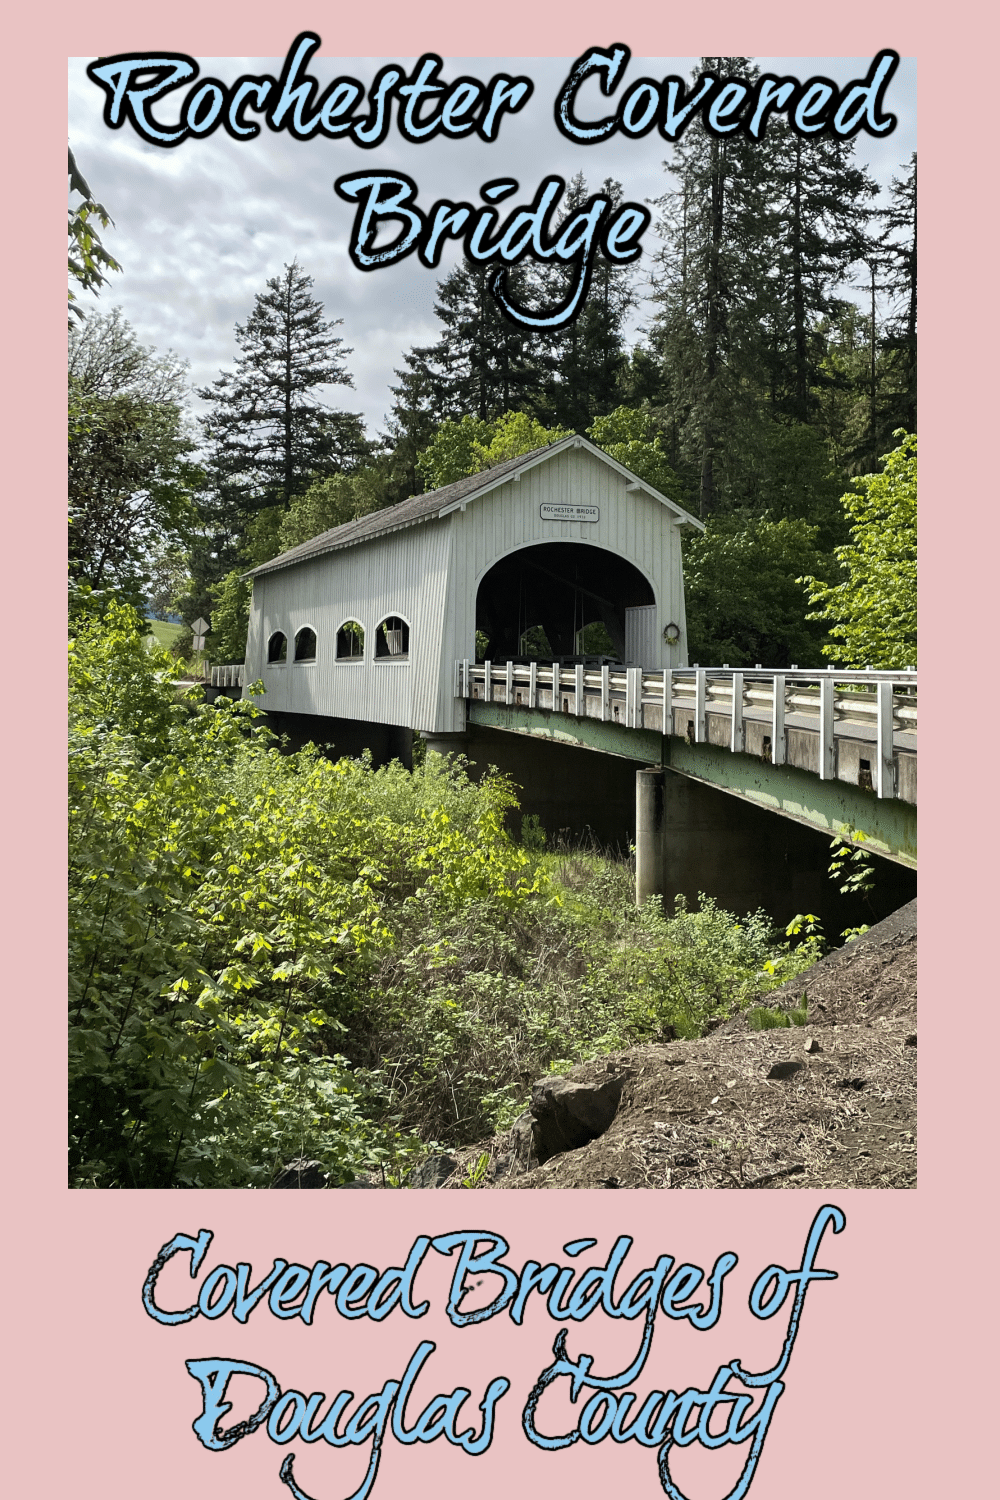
x: 705, y: 1114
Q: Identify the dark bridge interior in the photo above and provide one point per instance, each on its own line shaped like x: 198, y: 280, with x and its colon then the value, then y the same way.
x: 558, y: 588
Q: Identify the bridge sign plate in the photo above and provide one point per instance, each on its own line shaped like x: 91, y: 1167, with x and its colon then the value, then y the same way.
x: 588, y: 513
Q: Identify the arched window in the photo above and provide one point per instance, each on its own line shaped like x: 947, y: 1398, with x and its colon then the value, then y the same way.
x: 350, y: 641
x: 305, y: 644
x: 392, y: 639
x: 277, y: 649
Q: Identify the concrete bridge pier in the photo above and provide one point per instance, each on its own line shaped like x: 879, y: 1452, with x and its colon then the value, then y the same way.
x: 650, y: 836
x: 447, y: 744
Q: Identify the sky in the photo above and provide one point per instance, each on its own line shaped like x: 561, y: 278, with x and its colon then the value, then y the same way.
x: 200, y: 228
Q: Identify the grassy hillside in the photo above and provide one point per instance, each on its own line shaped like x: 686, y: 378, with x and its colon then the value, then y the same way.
x: 165, y: 634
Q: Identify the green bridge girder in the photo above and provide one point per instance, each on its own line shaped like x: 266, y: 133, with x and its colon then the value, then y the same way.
x: 833, y: 807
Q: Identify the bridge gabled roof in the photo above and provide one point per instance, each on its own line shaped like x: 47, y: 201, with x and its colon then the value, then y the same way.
x: 451, y: 497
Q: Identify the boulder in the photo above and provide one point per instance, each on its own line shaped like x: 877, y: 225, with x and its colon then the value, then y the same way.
x: 565, y: 1115
x: 433, y: 1172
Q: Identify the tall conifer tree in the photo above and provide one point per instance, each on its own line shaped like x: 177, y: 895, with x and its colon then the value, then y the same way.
x: 707, y: 331
x: 267, y: 431
x: 820, y: 212
x: 899, y: 243
x: 482, y: 365
x: 587, y: 359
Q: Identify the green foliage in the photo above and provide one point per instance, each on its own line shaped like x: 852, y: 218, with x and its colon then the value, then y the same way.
x: 760, y: 1018
x: 809, y: 929
x: 477, y: 1171
x: 327, y: 503
x: 744, y: 593
x: 533, y: 642
x: 792, y: 477
x: 593, y: 640
x: 276, y: 956
x: 131, y: 479
x: 227, y: 912
x: 764, y: 1018
x: 853, y: 866
x: 512, y: 434
x: 469, y: 446
x: 230, y: 617
x: 450, y: 455
x: 851, y: 863
x: 88, y: 258
x: 633, y: 438
x: 533, y: 836
x: 686, y: 970
x: 873, y: 611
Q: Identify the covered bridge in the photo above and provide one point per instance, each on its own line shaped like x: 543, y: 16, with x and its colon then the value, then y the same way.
x: 366, y: 621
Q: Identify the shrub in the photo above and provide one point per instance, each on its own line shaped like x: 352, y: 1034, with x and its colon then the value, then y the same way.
x: 275, y: 955
x: 226, y: 908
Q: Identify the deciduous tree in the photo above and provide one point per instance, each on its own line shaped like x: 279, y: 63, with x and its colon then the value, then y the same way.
x: 88, y: 257
x: 469, y: 446
x: 131, y: 475
x: 635, y: 439
x: 745, y: 597
x: 872, y: 612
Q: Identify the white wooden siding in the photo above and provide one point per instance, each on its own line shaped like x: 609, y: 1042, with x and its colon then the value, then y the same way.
x: 404, y: 573
x: 632, y: 524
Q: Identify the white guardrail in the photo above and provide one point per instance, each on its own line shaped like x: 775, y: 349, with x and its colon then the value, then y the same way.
x: 837, y: 705
x: 228, y: 676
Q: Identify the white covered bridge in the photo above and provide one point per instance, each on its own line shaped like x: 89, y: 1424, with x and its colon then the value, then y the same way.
x: 463, y: 614
x: 367, y: 621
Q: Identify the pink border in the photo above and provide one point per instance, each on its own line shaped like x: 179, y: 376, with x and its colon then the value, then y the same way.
x: 871, y: 1408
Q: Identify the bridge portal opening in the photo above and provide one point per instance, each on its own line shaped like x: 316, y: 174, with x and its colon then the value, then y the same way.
x: 558, y: 599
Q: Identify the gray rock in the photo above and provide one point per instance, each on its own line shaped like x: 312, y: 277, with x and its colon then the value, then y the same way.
x: 522, y: 1137
x: 301, y: 1173
x: 787, y: 1068
x: 566, y: 1115
x: 433, y: 1172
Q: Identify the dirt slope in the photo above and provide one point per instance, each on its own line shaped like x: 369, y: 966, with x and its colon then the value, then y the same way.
x: 705, y: 1114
